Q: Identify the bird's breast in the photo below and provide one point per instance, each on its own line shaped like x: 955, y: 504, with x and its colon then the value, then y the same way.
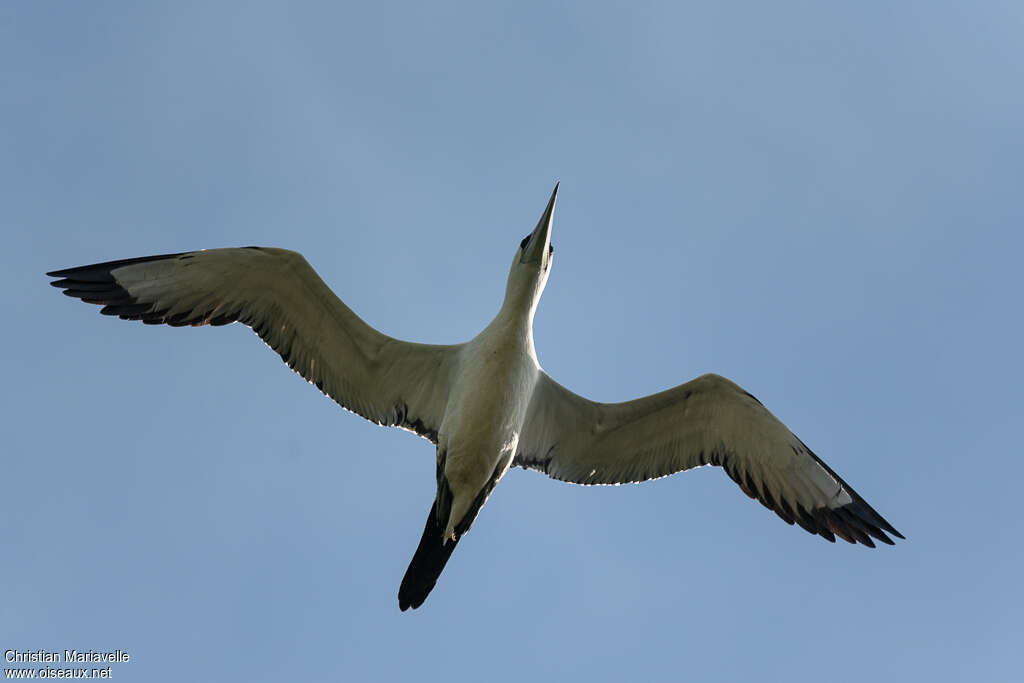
x: 492, y: 391
x: 486, y: 409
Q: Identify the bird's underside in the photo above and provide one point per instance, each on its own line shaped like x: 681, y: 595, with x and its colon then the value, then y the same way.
x: 707, y: 421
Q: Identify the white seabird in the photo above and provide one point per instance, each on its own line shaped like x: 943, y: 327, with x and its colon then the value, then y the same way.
x: 486, y: 404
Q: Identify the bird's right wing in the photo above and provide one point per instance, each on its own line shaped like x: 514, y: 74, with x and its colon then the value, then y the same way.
x: 707, y: 421
x: 279, y: 295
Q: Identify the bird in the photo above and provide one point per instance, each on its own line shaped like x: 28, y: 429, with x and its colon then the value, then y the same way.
x: 486, y: 404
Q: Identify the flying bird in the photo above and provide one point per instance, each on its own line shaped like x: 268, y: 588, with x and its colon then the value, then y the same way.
x: 486, y: 404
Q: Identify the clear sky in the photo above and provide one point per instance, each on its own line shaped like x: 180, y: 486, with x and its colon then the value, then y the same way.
x: 821, y: 201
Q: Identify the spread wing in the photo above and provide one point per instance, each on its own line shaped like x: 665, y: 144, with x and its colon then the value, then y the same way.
x: 279, y: 295
x: 707, y: 421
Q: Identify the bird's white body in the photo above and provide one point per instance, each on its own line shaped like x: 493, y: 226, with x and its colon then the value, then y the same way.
x: 495, y: 375
x: 486, y: 404
x: 494, y: 379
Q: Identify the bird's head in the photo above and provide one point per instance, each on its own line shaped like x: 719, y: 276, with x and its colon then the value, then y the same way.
x: 532, y: 262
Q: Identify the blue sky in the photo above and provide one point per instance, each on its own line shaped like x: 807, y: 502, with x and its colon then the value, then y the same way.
x: 821, y: 202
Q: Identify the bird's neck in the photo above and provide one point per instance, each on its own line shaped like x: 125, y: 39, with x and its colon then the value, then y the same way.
x: 514, y: 320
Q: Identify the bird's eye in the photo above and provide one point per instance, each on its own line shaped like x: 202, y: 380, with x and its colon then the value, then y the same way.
x: 551, y: 249
x: 522, y: 245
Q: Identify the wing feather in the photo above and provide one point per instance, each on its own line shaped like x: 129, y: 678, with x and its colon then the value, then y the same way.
x: 279, y: 295
x: 707, y: 421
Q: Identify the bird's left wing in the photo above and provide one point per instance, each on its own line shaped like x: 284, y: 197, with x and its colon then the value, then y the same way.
x: 279, y: 295
x: 707, y: 421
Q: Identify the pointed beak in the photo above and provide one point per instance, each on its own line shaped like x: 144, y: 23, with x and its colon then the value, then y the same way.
x: 540, y: 238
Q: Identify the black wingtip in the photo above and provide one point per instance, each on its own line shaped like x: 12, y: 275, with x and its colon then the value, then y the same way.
x: 93, y: 284
x: 97, y: 284
x: 103, y: 269
x: 855, y: 522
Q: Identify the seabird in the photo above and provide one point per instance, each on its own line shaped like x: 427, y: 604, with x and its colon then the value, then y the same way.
x: 486, y: 404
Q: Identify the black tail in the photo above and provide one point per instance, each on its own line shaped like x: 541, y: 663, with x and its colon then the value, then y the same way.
x: 427, y: 564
